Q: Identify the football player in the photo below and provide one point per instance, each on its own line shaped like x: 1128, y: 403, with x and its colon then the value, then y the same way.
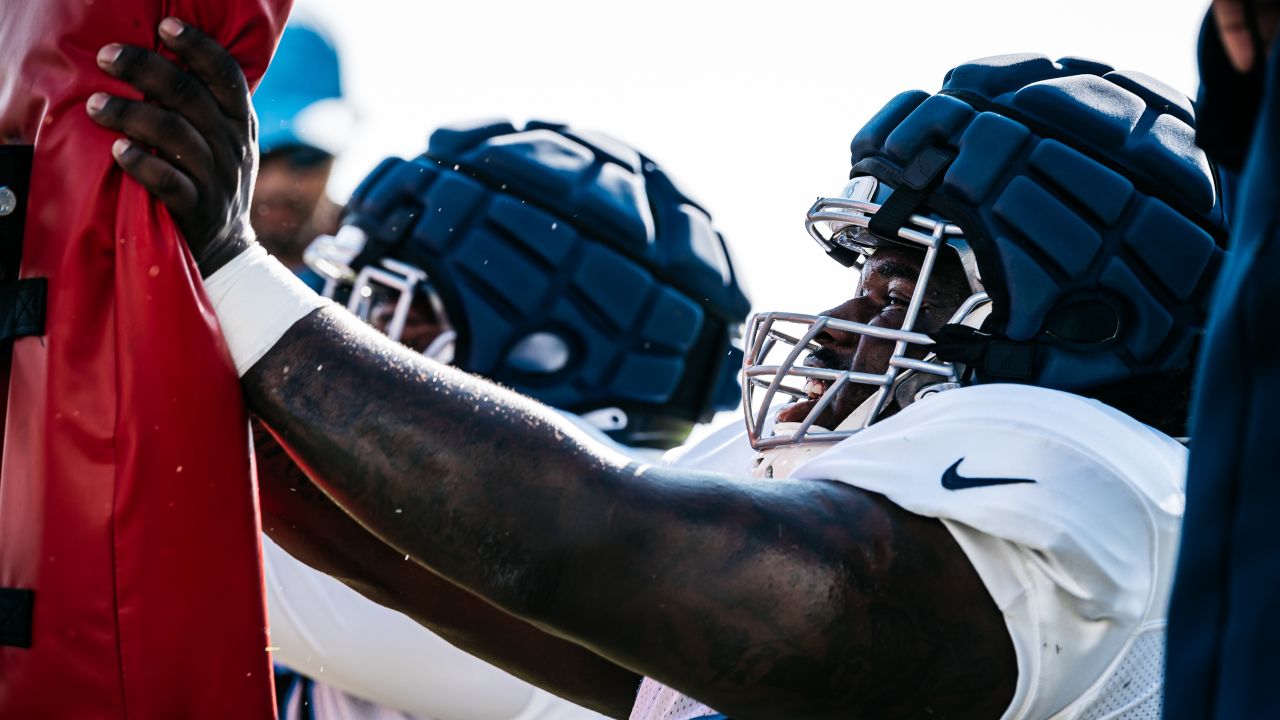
x: 980, y: 525
x: 304, y: 122
x: 466, y: 266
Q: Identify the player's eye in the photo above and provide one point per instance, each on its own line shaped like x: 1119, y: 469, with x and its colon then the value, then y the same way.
x: 897, y: 300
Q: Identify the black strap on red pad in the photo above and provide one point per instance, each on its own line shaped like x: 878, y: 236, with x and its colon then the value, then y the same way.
x: 22, y: 313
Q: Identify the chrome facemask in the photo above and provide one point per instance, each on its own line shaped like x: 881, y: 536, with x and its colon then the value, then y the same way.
x: 777, y: 343
x: 332, y: 255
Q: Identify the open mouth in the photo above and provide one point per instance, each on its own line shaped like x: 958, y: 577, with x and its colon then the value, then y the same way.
x: 799, y: 410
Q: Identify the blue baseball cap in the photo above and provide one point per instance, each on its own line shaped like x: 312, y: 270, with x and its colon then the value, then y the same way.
x: 300, y: 100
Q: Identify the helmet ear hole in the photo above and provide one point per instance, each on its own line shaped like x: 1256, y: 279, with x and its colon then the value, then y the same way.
x: 1084, y: 321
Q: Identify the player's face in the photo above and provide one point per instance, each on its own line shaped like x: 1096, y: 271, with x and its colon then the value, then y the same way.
x: 288, y: 189
x: 888, y: 283
x: 421, y: 325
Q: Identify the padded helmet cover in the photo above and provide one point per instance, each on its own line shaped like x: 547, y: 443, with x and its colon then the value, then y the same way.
x: 547, y: 229
x: 1094, y: 217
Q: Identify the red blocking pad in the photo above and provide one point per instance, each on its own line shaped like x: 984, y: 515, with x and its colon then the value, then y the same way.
x: 129, y: 531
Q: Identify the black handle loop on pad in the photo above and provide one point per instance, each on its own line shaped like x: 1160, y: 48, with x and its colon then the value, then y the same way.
x: 15, y: 617
x: 22, y: 308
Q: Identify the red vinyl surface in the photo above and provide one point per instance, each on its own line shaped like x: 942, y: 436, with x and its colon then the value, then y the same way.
x: 127, y: 501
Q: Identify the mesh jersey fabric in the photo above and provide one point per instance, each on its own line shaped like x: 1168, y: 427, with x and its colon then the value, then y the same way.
x: 1132, y: 690
x: 1079, y: 561
x: 655, y: 701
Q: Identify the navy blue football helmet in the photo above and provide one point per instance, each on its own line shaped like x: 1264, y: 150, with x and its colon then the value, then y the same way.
x: 1086, y: 219
x: 565, y: 265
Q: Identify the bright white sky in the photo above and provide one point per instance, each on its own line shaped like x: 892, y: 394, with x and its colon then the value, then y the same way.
x: 751, y: 105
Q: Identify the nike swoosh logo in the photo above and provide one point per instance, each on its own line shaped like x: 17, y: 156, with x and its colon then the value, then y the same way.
x: 953, y: 480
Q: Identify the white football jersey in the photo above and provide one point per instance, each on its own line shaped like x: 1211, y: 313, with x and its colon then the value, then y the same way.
x: 1069, y: 511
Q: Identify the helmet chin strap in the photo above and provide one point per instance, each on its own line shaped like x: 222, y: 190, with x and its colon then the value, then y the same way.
x: 913, y: 386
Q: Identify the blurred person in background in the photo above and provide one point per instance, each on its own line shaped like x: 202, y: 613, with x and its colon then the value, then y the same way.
x: 1223, y: 625
x: 458, y: 254
x: 304, y: 121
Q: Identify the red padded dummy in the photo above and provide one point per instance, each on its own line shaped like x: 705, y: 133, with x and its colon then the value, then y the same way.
x: 126, y: 498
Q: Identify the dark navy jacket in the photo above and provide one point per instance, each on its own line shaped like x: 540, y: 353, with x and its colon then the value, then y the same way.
x: 1224, y: 626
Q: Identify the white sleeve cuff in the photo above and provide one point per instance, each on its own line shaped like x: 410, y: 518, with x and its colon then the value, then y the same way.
x: 257, y: 300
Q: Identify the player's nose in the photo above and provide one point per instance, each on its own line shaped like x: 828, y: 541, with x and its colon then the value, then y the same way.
x: 852, y: 310
x: 836, y: 339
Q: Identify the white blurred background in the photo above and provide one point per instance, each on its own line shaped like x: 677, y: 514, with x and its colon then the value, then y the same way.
x: 750, y: 105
